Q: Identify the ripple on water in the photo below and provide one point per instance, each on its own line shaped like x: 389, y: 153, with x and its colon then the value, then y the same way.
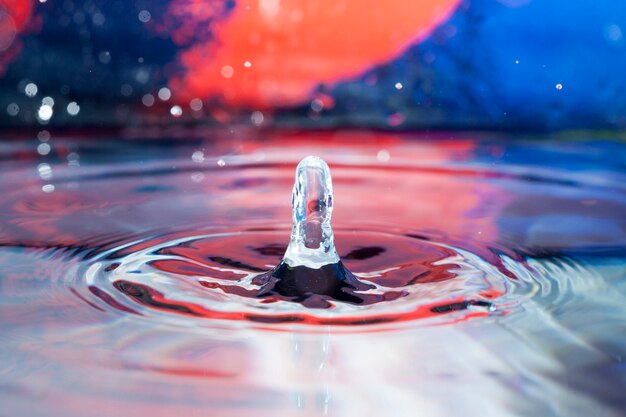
x: 213, y: 276
x: 130, y: 286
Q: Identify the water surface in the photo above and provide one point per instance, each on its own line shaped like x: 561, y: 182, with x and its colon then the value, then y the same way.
x: 127, y: 271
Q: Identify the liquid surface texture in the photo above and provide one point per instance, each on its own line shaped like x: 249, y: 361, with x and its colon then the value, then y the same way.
x: 479, y: 275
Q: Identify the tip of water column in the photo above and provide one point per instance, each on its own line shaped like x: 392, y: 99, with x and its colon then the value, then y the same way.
x: 313, y: 161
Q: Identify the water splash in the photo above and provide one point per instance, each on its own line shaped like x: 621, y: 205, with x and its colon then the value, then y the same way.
x: 311, y: 270
x: 312, y: 243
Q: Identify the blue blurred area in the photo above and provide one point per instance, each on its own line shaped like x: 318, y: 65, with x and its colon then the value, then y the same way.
x: 507, y: 64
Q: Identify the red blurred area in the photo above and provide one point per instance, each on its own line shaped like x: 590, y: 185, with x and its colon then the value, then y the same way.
x: 270, y: 53
x: 18, y: 10
x: 14, y: 18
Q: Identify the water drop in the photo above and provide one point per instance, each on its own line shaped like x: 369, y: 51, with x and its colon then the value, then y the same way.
x: 383, y: 155
x: 195, y: 104
x: 73, y: 108
x: 144, y: 16
x: 257, y: 118
x: 227, y: 71
x: 147, y: 100
x: 311, y: 272
x: 45, y: 171
x: 43, y: 149
x: 317, y: 105
x: 197, y: 156
x: 31, y: 89
x: 164, y: 94
x: 13, y: 109
x: 312, y: 204
x: 45, y: 113
x: 43, y: 135
x: 176, y: 111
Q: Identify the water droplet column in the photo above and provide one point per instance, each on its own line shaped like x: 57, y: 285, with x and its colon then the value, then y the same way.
x: 312, y: 243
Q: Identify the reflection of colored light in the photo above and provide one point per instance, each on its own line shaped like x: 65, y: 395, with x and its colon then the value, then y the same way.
x: 18, y: 10
x: 417, y: 188
x: 14, y: 15
x: 273, y: 52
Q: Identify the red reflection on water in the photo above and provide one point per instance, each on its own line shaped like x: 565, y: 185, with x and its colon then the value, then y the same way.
x: 409, y: 261
x: 156, y: 300
x: 434, y: 196
x: 271, y: 52
x: 459, y: 203
x: 14, y: 17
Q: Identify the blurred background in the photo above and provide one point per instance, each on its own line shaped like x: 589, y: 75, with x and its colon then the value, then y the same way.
x: 430, y: 64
